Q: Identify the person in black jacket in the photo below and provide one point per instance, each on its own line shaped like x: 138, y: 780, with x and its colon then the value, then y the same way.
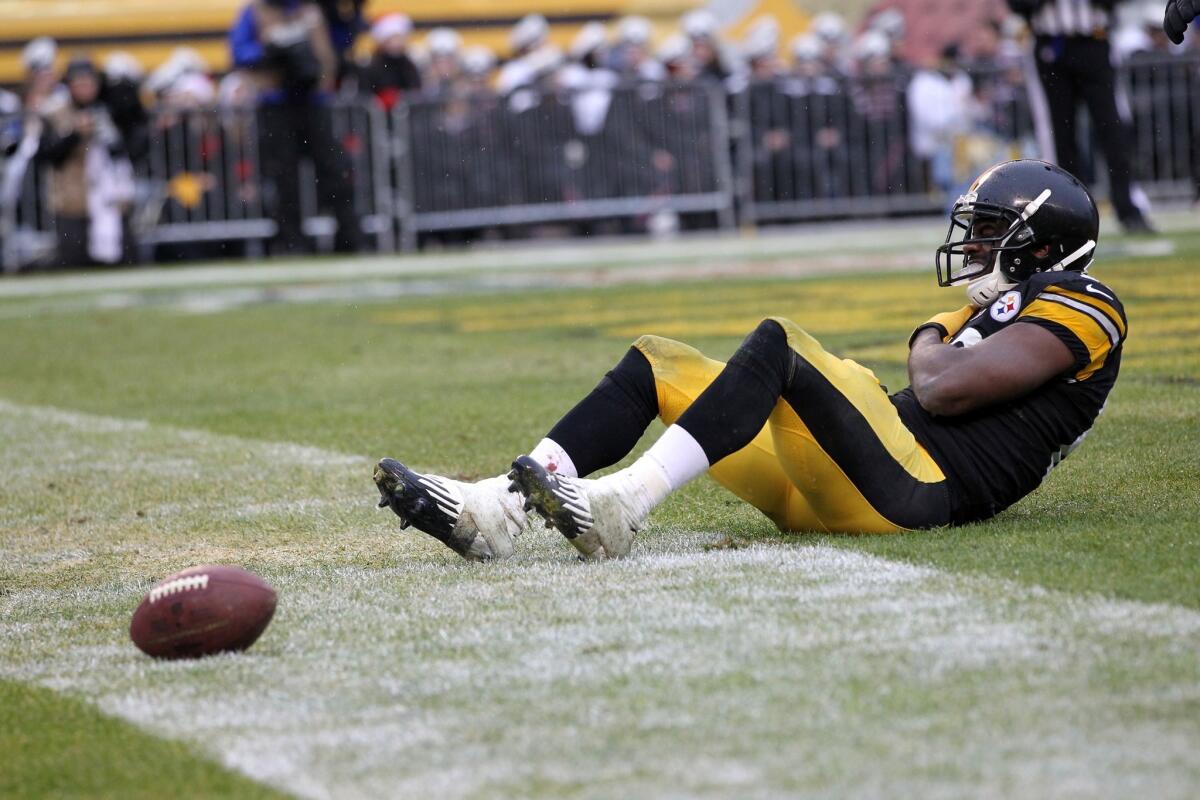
x: 391, y: 73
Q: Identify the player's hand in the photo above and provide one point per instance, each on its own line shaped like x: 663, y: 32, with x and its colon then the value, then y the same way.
x: 1179, y: 13
x: 946, y: 324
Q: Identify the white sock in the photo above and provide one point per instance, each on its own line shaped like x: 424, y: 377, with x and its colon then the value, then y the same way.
x: 551, y: 455
x: 678, y: 455
x: 674, y: 460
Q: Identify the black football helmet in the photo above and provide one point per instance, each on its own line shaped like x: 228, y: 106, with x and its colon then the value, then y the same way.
x: 1014, y: 210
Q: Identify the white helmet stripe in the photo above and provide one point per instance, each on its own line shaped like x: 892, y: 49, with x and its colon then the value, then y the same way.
x: 1033, y: 205
x: 1088, y: 247
x: 1030, y: 209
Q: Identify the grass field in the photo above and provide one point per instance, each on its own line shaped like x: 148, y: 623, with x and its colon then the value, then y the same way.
x: 154, y: 420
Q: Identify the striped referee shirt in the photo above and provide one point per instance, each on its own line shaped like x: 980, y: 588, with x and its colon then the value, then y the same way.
x: 1069, y: 18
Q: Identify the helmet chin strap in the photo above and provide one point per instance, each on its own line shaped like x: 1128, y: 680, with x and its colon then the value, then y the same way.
x: 984, y: 290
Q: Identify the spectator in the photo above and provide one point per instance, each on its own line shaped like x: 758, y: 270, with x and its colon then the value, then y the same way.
x: 285, y: 44
x: 939, y: 112
x: 810, y: 73
x: 760, y: 49
x: 819, y: 110
x: 123, y: 75
x: 182, y: 61
x: 477, y: 65
x: 91, y: 179
x: 701, y: 28
x: 444, y: 47
x: 631, y: 57
x: 587, y: 76
x: 891, y: 23
x: 532, y: 55
x: 931, y: 25
x: 391, y: 72
x: 770, y: 113
x: 878, y: 97
x: 830, y: 29
x: 675, y: 55
x: 22, y: 132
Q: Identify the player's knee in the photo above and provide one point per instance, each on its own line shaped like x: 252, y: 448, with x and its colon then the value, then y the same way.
x: 662, y: 352
x: 766, y: 352
x: 769, y: 339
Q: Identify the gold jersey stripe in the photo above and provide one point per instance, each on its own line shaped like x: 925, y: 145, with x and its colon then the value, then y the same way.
x: 1093, y: 337
x: 1095, y: 301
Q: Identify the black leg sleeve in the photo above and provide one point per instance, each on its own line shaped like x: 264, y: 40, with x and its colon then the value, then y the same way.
x: 603, y: 427
x: 735, y: 406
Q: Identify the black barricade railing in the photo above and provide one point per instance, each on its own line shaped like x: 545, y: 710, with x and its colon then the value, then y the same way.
x: 479, y: 161
x: 206, y: 178
x: 826, y: 148
x: 26, y: 220
x: 793, y: 148
x: 202, y: 179
x: 1163, y: 94
x: 361, y: 133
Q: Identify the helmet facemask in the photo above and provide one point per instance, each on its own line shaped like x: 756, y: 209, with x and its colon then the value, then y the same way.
x: 996, y: 262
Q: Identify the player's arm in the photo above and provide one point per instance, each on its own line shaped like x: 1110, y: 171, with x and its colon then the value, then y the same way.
x: 1016, y: 360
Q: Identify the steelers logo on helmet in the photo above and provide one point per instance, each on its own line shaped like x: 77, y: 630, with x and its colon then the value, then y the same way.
x: 1019, y: 218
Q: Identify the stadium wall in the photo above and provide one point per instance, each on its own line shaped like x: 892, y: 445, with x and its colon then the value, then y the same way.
x: 150, y: 30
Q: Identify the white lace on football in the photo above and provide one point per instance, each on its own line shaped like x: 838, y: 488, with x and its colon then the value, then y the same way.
x: 186, y: 584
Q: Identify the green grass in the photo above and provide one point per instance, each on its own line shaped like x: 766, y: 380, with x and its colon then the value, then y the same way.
x: 60, y: 747
x: 373, y: 380
x: 1016, y: 658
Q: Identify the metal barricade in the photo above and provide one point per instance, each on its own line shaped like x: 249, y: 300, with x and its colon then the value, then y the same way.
x: 202, y: 180
x: 791, y: 149
x: 361, y: 131
x: 1163, y: 91
x: 827, y: 149
x: 207, y: 180
x: 482, y: 161
x: 26, y: 222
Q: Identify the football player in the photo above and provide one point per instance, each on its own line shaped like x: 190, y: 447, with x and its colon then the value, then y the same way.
x: 1178, y: 14
x: 1001, y: 390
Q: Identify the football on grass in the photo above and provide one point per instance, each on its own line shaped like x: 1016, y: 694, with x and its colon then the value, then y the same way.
x: 202, y: 610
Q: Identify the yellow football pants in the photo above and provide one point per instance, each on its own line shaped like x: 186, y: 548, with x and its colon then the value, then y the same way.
x: 784, y: 472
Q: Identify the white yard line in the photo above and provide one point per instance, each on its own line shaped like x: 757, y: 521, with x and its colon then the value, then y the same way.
x: 774, y: 670
x: 218, y: 299
x: 907, y: 237
x: 838, y: 246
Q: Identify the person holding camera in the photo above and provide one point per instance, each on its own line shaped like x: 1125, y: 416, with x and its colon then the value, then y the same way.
x: 286, y: 46
x: 1074, y: 64
x: 91, y: 179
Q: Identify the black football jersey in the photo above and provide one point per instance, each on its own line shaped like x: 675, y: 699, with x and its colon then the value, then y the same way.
x: 994, y: 456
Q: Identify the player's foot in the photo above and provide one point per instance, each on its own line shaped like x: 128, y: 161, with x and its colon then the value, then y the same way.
x: 479, y: 521
x: 599, y: 517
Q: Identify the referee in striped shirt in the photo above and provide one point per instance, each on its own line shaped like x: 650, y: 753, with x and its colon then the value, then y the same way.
x: 1073, y: 63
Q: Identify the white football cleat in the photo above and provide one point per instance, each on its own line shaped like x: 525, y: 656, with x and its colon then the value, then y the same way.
x: 599, y: 517
x: 479, y: 521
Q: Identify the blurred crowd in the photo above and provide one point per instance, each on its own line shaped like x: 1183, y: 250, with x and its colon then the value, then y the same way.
x: 91, y: 123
